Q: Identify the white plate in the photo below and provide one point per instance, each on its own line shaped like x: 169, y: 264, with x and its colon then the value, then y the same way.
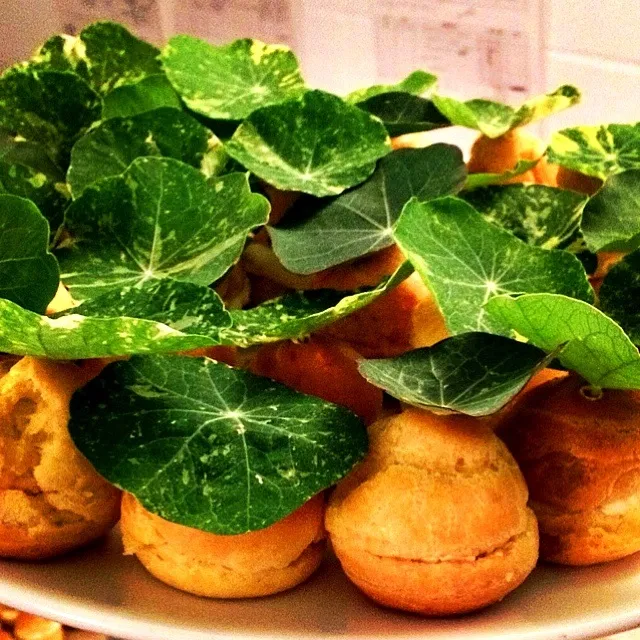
x: 101, y: 590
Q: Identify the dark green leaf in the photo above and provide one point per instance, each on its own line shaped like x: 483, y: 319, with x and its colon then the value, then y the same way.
x: 211, y: 447
x: 109, y: 148
x: 298, y: 314
x: 183, y: 306
x: 475, y: 180
x: 75, y: 337
x: 494, y: 119
x: 620, y: 293
x: 317, y: 144
x: 405, y: 113
x: 229, y: 82
x: 152, y: 92
x: 612, y: 216
x: 105, y: 54
x: 161, y: 218
x: 28, y: 272
x: 599, y: 151
x: 324, y: 233
x: 541, y: 216
x: 594, y: 345
x: 472, y: 373
x: 465, y: 260
x: 48, y: 108
x: 417, y: 83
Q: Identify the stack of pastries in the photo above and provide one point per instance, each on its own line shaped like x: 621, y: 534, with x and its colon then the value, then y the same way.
x: 446, y: 514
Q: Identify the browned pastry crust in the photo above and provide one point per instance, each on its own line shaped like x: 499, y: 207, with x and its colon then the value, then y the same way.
x: 51, y: 498
x: 435, y: 519
x: 253, y: 564
x: 581, y: 459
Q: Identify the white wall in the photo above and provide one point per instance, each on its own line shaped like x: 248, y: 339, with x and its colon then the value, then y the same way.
x: 594, y: 44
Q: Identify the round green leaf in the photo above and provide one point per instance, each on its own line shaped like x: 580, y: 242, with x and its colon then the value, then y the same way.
x: 593, y: 345
x: 152, y: 92
x: 211, y: 447
x: 466, y: 260
x: 416, y: 83
x: 541, y: 216
x: 612, y: 216
x: 598, y: 151
x: 298, y: 314
x: 229, y: 82
x: 317, y: 144
x: 324, y: 233
x: 472, y: 373
x: 28, y: 272
x: 494, y: 119
x: 76, y: 337
x: 619, y: 295
x: 161, y: 218
x: 109, y: 148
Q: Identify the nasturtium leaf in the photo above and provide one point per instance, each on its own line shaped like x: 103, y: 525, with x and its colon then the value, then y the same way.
x: 109, y: 148
x: 152, y: 92
x: 317, y: 144
x: 405, y: 113
x: 160, y: 218
x: 183, y: 306
x: 228, y: 82
x: 76, y: 337
x: 46, y: 193
x: 323, y: 233
x: 28, y: 272
x: 494, y: 119
x: 105, y: 54
x: 612, y: 215
x: 416, y: 83
x: 211, y: 447
x: 298, y: 314
x: 466, y: 260
x: 543, y: 216
x: 595, y: 347
x: 598, y: 151
x: 620, y: 293
x: 472, y: 373
x: 50, y: 108
x: 475, y: 180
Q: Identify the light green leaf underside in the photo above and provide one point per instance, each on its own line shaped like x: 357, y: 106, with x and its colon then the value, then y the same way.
x: 472, y: 373
x: 594, y: 345
x: 417, y: 83
x: 494, y: 119
x: 466, y: 260
x: 152, y: 92
x: 325, y: 233
x: 317, y: 144
x: 211, y: 447
x: 620, y: 293
x: 109, y: 149
x: 28, y: 272
x: 599, y: 151
x: 229, y: 82
x: 539, y: 215
x: 475, y: 180
x: 161, y: 218
x: 612, y: 215
x: 296, y: 315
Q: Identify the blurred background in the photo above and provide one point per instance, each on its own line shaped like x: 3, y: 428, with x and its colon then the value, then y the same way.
x: 500, y: 49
